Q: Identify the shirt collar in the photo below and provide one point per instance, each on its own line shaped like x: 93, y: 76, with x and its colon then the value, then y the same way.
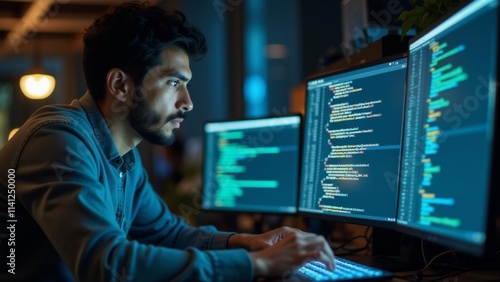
x: 103, y: 135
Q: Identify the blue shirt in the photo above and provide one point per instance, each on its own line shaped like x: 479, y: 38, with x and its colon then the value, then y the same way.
x: 82, y: 212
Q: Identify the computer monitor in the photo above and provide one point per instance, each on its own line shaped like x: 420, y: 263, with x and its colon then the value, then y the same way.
x: 352, y: 137
x: 252, y: 165
x: 449, y: 159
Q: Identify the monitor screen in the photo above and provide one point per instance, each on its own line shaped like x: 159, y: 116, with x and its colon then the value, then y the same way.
x: 352, y: 139
x: 448, y: 138
x: 252, y: 165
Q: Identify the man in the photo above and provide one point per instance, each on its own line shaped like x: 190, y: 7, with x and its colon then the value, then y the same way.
x: 84, y: 209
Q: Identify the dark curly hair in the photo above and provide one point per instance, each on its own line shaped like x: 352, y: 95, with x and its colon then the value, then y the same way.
x: 131, y: 37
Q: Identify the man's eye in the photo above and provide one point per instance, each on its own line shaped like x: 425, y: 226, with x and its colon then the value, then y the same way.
x: 173, y: 83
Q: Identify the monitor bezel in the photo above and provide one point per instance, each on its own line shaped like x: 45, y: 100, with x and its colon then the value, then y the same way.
x: 493, y: 213
x: 245, y: 210
x: 343, y: 218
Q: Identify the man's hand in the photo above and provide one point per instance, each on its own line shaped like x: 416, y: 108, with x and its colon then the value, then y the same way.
x: 258, y: 242
x: 283, y: 250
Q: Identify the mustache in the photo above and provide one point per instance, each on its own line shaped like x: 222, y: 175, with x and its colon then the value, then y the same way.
x: 179, y: 114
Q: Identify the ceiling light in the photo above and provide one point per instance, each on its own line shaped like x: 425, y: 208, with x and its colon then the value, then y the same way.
x: 37, y: 84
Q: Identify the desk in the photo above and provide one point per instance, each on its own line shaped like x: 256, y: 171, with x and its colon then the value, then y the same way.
x: 407, y: 273
x: 469, y: 276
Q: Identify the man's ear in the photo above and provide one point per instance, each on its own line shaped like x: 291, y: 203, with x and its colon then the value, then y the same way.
x: 119, y: 84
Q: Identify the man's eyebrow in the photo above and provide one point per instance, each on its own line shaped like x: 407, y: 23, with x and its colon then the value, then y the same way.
x: 176, y: 74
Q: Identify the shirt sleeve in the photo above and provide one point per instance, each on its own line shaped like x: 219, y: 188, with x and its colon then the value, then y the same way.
x: 61, y: 190
x: 153, y: 223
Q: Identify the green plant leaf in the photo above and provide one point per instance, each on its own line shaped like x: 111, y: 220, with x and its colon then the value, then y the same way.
x: 424, y: 13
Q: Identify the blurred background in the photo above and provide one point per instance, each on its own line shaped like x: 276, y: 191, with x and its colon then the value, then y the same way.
x: 260, y: 52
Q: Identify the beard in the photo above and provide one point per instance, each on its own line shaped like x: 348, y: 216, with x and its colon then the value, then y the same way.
x: 148, y: 123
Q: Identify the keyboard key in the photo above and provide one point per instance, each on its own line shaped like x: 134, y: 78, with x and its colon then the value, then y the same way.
x: 345, y: 271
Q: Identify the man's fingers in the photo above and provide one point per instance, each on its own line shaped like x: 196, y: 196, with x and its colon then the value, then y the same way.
x: 320, y: 250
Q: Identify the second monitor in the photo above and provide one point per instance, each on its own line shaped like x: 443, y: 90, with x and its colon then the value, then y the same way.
x: 252, y: 165
x: 353, y: 127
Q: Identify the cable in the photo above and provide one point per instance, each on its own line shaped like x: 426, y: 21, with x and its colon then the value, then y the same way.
x: 355, y: 250
x: 434, y: 258
x: 423, y: 251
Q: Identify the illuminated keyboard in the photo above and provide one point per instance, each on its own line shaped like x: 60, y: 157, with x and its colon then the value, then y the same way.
x: 345, y: 270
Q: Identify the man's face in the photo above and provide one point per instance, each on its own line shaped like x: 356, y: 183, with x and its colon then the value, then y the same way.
x: 163, y: 98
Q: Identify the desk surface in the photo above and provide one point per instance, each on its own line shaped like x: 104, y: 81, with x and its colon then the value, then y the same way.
x: 472, y: 276
x: 407, y: 273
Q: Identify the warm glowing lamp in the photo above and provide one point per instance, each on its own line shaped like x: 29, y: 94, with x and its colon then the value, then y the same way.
x: 37, y: 84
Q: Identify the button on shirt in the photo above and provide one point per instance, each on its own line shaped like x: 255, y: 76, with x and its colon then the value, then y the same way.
x: 85, y: 213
